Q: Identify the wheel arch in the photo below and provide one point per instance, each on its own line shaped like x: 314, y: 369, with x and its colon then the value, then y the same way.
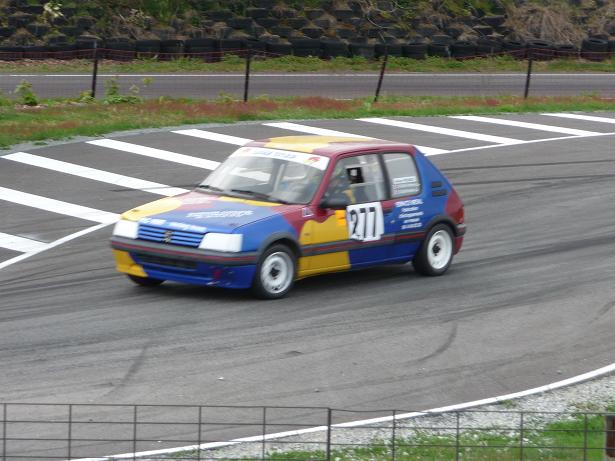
x: 284, y: 238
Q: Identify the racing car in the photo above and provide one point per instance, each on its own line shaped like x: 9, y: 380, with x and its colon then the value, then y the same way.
x: 282, y: 209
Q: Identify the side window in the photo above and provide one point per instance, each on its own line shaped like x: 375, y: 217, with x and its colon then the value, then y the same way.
x: 358, y: 179
x: 402, y: 174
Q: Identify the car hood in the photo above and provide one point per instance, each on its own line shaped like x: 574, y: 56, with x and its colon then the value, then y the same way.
x: 200, y: 212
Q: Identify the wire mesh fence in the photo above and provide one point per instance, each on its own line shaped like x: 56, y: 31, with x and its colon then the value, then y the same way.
x: 184, y: 432
x: 374, y: 79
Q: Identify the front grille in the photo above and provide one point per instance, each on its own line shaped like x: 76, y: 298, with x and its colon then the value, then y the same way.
x: 169, y: 262
x: 170, y: 236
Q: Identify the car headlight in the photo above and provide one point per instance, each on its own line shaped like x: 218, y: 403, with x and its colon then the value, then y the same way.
x: 221, y: 242
x: 127, y: 229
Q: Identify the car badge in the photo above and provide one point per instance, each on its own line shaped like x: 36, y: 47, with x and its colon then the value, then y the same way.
x: 168, y: 235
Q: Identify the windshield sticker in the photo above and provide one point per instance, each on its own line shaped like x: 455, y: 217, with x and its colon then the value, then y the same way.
x: 220, y: 214
x: 316, y: 161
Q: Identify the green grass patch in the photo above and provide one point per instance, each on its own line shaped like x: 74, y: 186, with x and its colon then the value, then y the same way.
x: 578, y: 438
x: 63, y: 119
x: 233, y: 63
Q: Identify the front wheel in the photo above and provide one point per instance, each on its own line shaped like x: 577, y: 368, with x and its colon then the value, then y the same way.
x: 275, y: 273
x: 145, y: 281
x: 436, y: 252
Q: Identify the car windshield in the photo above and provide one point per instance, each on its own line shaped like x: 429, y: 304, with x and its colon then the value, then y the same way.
x: 268, y: 174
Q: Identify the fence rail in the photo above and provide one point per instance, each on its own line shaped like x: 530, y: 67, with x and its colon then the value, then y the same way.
x: 184, y: 432
x: 64, y: 83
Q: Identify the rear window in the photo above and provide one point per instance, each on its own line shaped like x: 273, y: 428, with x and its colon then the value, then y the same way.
x: 403, y: 175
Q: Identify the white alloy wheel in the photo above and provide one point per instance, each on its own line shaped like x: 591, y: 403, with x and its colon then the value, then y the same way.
x: 440, y: 250
x: 435, y: 254
x: 277, y: 273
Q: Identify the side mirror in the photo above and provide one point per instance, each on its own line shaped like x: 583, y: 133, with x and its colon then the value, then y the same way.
x: 334, y: 203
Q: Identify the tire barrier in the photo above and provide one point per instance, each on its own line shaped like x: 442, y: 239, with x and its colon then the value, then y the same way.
x: 201, y: 48
x: 438, y: 50
x: 231, y: 46
x: 415, y: 50
x: 540, y: 50
x: 279, y: 49
x: 333, y: 49
x: 463, y: 50
x: 594, y: 49
x: 304, y: 47
x: 487, y: 46
x: 171, y: 49
x: 566, y: 51
x: 211, y: 50
x: 394, y: 50
x: 120, y: 49
x: 362, y: 50
x: 147, y: 48
x: 514, y: 48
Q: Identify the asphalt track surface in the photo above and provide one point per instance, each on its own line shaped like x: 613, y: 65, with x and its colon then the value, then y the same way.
x: 530, y: 299
x: 350, y: 85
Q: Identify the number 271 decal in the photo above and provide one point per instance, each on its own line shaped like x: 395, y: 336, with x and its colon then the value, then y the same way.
x: 365, y: 221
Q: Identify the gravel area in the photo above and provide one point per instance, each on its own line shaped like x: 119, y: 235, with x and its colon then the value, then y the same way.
x: 594, y: 396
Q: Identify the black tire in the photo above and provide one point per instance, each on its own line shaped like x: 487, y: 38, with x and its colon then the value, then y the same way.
x: 276, y: 261
x: 430, y: 260
x: 145, y: 281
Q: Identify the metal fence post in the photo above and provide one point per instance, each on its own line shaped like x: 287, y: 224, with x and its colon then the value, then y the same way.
x: 70, y: 431
x: 246, y: 85
x: 94, y: 70
x: 521, y: 433
x: 393, y: 435
x: 609, y: 435
x: 530, y: 60
x: 4, y: 424
x: 382, y: 71
x: 264, y: 432
x: 134, y: 434
x: 198, y: 444
x: 329, y: 418
x: 457, y: 442
x: 585, y: 437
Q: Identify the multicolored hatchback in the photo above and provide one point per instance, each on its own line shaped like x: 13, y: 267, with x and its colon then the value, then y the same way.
x: 281, y: 209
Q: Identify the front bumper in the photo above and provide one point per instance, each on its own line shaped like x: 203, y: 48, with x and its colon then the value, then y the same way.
x: 184, y: 264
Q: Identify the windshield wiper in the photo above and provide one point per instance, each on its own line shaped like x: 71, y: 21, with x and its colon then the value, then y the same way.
x: 260, y: 195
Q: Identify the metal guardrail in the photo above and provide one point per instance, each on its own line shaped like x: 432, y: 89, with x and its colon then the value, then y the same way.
x: 198, y: 432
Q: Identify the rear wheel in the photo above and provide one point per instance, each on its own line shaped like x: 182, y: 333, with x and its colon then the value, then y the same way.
x: 145, y: 281
x: 436, y: 252
x: 275, y: 273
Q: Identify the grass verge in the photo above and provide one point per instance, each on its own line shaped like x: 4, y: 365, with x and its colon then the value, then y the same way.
x: 233, y: 63
x: 57, y: 120
x: 581, y: 437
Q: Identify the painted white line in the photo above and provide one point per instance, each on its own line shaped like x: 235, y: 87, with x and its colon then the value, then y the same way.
x: 533, y: 141
x: 530, y: 126
x: 441, y: 130
x: 51, y: 245
x: 327, y: 132
x: 156, y: 153
x: 211, y: 136
x: 314, y: 130
x: 57, y: 206
x: 589, y: 118
x: 20, y: 244
x: 94, y: 174
x: 366, y: 422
